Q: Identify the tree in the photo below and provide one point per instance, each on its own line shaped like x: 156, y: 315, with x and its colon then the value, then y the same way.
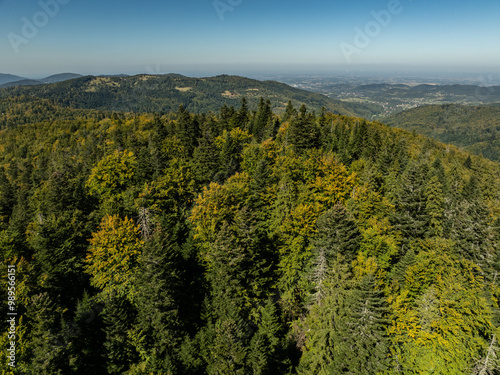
x: 366, y: 347
x: 303, y: 131
x: 159, y: 324
x: 337, y: 234
x: 187, y: 129
x: 290, y: 112
x: 411, y: 217
x: 112, y: 176
x: 205, y: 157
x: 434, y: 207
x: 112, y: 260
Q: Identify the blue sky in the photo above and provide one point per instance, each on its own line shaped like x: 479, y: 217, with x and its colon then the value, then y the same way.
x: 190, y: 36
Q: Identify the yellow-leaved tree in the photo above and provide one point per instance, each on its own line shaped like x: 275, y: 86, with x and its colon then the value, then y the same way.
x: 441, y: 320
x: 113, y: 255
x: 112, y: 175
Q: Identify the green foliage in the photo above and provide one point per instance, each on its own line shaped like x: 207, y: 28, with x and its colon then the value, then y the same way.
x: 471, y: 127
x: 112, y: 175
x: 242, y: 241
x: 112, y: 260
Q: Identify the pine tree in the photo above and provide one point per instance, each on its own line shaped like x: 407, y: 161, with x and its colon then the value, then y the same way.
x: 118, y: 316
x: 7, y: 199
x: 267, y: 350
x: 325, y: 326
x: 205, y: 157
x: 337, y: 234
x: 434, y: 207
x: 159, y: 280
x: 262, y: 118
x: 187, y: 129
x: 47, y: 348
x: 290, y: 112
x: 411, y: 217
x: 242, y: 116
x: 303, y: 131
x: 365, y: 349
x: 84, y: 336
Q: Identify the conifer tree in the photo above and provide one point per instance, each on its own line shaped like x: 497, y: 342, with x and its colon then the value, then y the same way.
x: 434, y: 207
x: 187, y: 130
x: 242, y: 115
x: 205, y: 157
x: 411, y: 217
x: 366, y: 347
x: 325, y: 326
x: 118, y: 316
x: 159, y: 323
x: 290, y: 112
x: 303, y: 131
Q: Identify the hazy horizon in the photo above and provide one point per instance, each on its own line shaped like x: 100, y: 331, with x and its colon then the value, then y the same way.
x: 45, y: 37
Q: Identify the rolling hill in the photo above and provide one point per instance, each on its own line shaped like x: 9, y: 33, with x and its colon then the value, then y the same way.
x: 164, y: 93
x: 9, y: 80
x: 474, y: 128
x: 60, y: 77
x: 6, y: 78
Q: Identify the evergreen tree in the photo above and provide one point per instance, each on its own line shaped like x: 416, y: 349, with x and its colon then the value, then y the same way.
x: 267, y: 348
x: 337, y: 234
x: 262, y: 118
x: 187, y: 130
x: 242, y: 115
x: 366, y: 347
x: 303, y: 131
x: 84, y: 335
x: 411, y: 217
x: 325, y: 326
x: 47, y: 348
x: 7, y: 199
x: 205, y: 157
x: 290, y: 112
x: 159, y: 323
x: 434, y: 207
x: 118, y: 316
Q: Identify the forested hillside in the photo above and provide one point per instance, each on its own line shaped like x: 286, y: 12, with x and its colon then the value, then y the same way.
x: 240, y: 242
x: 474, y: 128
x: 164, y: 93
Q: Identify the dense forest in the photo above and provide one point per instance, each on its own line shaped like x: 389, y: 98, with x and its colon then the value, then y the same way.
x: 474, y: 128
x: 244, y: 241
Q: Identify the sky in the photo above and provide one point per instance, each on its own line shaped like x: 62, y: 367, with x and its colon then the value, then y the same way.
x: 196, y: 37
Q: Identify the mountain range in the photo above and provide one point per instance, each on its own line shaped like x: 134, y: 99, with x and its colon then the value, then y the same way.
x: 9, y: 80
x: 165, y: 93
x: 472, y: 127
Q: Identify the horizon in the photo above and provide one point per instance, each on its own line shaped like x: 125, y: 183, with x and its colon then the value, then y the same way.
x: 474, y: 76
x: 42, y: 38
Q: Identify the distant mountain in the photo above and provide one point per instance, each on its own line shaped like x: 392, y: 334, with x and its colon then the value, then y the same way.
x: 474, y: 128
x: 164, y: 93
x: 60, y: 77
x: 6, y: 78
x: 23, y: 82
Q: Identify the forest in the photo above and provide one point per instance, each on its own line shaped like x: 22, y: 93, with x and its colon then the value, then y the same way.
x: 473, y: 128
x: 244, y: 241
